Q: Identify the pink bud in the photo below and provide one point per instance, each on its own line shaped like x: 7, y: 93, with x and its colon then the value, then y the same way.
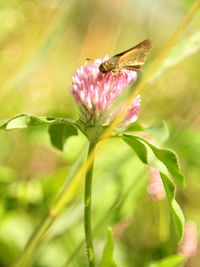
x: 189, y: 244
x: 155, y: 187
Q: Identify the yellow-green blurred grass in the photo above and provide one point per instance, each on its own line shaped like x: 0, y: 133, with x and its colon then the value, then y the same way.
x: 42, y: 50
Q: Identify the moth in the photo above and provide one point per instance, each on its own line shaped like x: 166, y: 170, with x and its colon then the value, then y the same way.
x: 131, y: 59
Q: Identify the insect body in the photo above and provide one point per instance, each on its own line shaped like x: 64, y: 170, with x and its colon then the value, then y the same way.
x: 131, y: 59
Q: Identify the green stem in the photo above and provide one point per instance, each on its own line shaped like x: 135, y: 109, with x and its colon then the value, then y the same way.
x: 87, y: 212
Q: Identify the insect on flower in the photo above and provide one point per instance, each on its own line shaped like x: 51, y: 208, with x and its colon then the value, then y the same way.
x: 131, y: 59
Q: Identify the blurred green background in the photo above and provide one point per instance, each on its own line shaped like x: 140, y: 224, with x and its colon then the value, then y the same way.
x: 42, y: 44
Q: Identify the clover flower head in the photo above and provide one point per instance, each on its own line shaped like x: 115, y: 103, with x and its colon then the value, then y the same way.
x: 96, y: 92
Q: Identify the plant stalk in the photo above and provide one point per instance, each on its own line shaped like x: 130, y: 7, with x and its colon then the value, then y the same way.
x: 87, y: 211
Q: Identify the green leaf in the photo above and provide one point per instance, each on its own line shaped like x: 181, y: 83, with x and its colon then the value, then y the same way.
x: 144, y: 152
x: 163, y: 160
x: 160, y: 132
x: 59, y: 128
x: 135, y: 127
x: 23, y: 121
x: 166, y: 156
x: 59, y: 132
x: 20, y: 122
x: 107, y: 258
x: 175, y: 208
x: 171, y: 261
x: 169, y: 158
x: 140, y: 148
x: 179, y: 52
x: 26, y: 120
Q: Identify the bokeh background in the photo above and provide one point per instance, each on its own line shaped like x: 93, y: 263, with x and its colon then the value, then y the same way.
x: 42, y: 44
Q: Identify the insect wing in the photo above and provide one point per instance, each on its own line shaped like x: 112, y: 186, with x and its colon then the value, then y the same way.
x: 134, y: 58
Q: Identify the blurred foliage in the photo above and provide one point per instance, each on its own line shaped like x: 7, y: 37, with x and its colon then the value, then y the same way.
x: 107, y: 258
x: 42, y: 44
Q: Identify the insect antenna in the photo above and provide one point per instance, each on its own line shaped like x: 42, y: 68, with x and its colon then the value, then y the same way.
x: 89, y: 59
